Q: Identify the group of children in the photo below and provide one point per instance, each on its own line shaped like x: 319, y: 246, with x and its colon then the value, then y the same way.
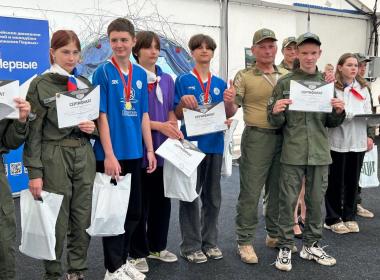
x: 139, y: 109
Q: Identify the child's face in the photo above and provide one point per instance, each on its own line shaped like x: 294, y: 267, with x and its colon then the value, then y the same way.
x: 149, y: 56
x: 121, y: 43
x: 308, y: 54
x: 203, y: 54
x: 349, y: 69
x: 67, y: 56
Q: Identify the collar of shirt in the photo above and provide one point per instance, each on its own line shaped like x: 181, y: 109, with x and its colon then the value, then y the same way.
x: 258, y: 72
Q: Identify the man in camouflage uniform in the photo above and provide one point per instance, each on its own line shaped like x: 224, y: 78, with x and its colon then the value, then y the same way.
x: 260, y: 146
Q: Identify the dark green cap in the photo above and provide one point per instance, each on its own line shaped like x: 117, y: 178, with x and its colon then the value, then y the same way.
x: 308, y: 36
x: 289, y: 40
x: 263, y: 34
x: 362, y: 58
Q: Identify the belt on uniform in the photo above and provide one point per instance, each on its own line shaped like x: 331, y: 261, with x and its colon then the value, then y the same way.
x: 68, y: 142
x: 277, y: 131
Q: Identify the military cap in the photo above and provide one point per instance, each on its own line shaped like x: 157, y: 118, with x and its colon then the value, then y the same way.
x: 308, y: 36
x: 362, y: 58
x: 289, y: 40
x: 263, y: 34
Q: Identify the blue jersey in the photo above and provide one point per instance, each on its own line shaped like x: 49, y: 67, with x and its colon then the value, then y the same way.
x: 124, y: 120
x: 188, y: 84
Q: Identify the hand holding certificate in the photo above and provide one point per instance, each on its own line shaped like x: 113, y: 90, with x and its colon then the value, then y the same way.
x: 182, y: 154
x: 205, y: 119
x: 311, y: 96
x: 76, y: 106
x: 8, y: 91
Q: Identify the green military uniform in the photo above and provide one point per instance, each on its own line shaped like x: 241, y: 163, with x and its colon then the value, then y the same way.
x: 305, y: 152
x: 64, y: 159
x: 284, y: 65
x: 260, y: 153
x: 12, y: 135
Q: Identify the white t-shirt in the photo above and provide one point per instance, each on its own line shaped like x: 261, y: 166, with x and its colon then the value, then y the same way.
x: 351, y: 136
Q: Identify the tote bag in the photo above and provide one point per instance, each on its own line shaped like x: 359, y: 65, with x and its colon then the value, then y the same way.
x: 109, y: 205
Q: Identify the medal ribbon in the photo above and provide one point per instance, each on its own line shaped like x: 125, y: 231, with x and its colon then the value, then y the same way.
x: 207, y: 89
x: 356, y: 94
x: 127, y: 87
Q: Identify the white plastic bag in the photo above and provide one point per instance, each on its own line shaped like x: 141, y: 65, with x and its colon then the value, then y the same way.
x: 109, y: 205
x: 227, y: 153
x: 38, y: 219
x: 178, y: 185
x: 368, y: 175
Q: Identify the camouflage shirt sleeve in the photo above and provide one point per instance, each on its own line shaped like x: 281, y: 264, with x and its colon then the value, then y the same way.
x: 239, y: 84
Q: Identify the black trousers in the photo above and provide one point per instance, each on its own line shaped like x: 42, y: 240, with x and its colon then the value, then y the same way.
x: 116, y: 248
x: 151, y: 233
x: 340, y: 198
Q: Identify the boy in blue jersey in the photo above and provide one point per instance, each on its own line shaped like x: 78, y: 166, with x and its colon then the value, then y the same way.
x: 123, y: 124
x: 199, y: 229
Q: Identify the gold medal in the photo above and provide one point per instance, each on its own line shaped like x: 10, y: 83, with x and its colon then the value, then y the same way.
x: 128, y: 105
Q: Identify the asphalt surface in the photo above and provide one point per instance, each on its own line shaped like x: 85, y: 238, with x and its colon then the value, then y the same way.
x: 358, y: 255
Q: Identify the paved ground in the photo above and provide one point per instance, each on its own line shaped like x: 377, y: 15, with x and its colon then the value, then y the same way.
x: 358, y: 255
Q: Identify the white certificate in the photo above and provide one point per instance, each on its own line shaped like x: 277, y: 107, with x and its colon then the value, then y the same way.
x: 76, y: 106
x: 205, y: 119
x: 311, y: 96
x: 23, y: 90
x: 182, y: 154
x: 9, y: 89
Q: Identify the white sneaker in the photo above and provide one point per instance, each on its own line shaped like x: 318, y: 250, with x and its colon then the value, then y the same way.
x: 164, y: 256
x: 132, y: 272
x: 362, y: 212
x: 140, y: 264
x: 117, y: 275
x: 315, y: 252
x: 284, y: 259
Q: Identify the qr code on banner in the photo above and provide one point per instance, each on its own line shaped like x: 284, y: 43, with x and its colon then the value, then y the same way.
x: 6, y: 169
x: 16, y: 168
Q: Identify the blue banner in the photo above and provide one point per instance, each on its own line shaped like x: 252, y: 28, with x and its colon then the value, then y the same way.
x: 24, y: 52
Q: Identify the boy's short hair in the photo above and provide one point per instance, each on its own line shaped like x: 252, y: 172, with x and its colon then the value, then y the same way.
x: 144, y: 40
x: 121, y: 24
x: 197, y: 40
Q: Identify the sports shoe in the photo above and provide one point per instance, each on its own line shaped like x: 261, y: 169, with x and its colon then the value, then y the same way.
x: 315, y: 252
x: 284, y: 259
x: 117, y: 275
x: 339, y: 228
x: 213, y: 253
x: 140, y: 264
x: 164, y: 256
x: 132, y: 272
x: 352, y: 226
x: 247, y: 254
x: 362, y: 212
x: 78, y: 275
x: 195, y: 257
x: 271, y: 242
